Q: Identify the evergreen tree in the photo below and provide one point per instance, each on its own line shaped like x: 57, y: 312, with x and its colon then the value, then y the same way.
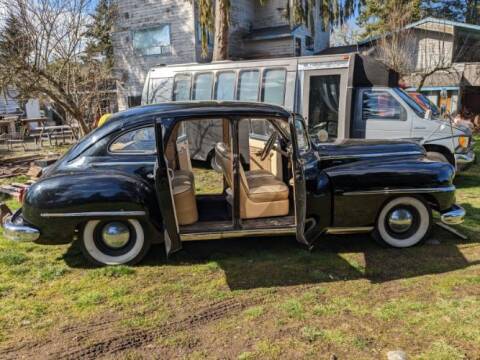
x: 100, y: 30
x: 454, y: 10
x: 382, y: 16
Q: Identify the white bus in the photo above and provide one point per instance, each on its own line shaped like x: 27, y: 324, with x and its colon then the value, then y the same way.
x: 340, y: 97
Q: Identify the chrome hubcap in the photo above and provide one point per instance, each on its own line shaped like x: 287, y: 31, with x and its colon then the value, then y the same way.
x: 115, y: 234
x: 400, y: 220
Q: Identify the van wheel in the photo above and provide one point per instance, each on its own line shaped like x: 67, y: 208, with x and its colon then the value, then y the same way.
x: 436, y: 156
x: 403, y: 222
x: 114, y: 242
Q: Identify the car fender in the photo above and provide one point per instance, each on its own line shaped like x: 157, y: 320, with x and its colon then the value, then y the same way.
x: 360, y: 189
x: 59, y: 204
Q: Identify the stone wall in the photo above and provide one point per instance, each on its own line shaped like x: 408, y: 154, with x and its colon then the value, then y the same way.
x: 131, y: 66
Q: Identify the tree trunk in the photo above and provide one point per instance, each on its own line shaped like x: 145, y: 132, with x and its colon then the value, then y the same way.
x: 220, y: 47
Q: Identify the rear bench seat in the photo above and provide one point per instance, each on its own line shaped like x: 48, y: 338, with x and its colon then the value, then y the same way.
x: 261, y: 193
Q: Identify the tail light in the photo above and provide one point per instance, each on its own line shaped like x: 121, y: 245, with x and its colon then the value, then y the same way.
x: 22, y: 194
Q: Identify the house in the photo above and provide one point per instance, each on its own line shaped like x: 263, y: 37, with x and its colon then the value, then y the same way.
x: 149, y: 33
x: 445, y: 54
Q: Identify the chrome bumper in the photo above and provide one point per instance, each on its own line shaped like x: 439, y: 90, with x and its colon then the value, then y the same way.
x: 15, y: 229
x: 465, y: 159
x: 454, y: 216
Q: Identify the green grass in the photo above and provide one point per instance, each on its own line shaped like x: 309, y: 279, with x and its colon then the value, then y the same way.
x: 349, y: 297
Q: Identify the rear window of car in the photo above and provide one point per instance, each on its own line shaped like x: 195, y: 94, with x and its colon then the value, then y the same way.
x: 138, y: 141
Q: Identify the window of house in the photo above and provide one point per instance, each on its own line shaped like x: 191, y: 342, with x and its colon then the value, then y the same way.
x: 152, y: 41
x: 225, y: 86
x: 181, y: 87
x: 298, y: 46
x: 202, y: 86
x: 141, y: 140
x: 273, y: 88
x: 381, y: 105
x: 248, y: 85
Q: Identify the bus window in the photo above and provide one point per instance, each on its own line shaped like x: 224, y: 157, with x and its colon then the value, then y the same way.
x: 202, y: 86
x: 273, y: 88
x: 225, y: 86
x: 181, y: 87
x: 160, y: 90
x: 248, y: 85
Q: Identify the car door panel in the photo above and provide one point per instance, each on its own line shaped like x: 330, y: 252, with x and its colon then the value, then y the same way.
x: 163, y: 187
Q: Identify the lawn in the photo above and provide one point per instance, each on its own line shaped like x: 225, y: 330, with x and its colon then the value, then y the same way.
x: 250, y: 298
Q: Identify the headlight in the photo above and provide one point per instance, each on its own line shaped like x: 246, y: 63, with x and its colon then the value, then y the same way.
x: 463, y: 141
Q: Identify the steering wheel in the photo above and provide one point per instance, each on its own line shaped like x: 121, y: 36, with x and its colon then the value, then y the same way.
x: 269, y: 145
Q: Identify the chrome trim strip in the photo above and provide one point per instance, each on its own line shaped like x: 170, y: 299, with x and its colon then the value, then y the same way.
x: 94, y: 213
x: 120, y: 163
x: 237, y: 234
x: 455, y: 216
x: 336, y: 157
x: 400, y: 191
x: 349, y: 230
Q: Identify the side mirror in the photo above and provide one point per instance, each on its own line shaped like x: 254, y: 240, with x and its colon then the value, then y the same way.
x: 428, y: 114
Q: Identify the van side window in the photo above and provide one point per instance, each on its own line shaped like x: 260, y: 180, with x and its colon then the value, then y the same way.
x: 181, y: 87
x: 273, y: 87
x: 248, y: 85
x: 138, y: 141
x: 381, y: 105
x: 225, y: 86
x: 160, y: 90
x: 202, y: 86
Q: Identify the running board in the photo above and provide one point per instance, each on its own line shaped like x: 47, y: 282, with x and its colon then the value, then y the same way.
x: 452, y: 230
x: 349, y: 230
x: 237, y: 234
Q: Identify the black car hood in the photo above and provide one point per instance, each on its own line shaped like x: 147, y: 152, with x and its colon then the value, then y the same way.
x: 357, y: 149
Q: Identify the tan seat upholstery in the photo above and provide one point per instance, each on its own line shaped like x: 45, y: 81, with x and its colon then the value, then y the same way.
x: 184, y: 197
x: 261, y: 193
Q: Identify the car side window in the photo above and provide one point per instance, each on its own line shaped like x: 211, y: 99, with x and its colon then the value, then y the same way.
x: 381, y: 105
x: 260, y: 128
x: 138, y: 141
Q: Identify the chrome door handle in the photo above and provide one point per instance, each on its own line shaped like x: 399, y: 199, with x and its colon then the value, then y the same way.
x: 419, y: 128
x: 150, y: 176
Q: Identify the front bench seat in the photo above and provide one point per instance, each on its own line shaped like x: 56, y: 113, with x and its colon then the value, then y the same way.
x: 260, y: 196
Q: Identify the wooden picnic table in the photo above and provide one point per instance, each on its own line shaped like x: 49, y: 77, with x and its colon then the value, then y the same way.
x: 55, y: 132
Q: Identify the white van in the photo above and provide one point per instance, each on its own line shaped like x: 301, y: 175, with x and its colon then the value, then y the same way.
x: 340, y: 96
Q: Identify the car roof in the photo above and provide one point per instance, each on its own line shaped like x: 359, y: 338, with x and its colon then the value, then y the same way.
x: 204, y: 108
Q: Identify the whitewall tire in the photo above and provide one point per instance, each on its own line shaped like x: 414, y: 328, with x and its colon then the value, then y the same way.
x: 114, y: 242
x: 403, y: 222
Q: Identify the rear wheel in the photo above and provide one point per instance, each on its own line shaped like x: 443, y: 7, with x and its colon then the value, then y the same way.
x: 114, y: 242
x: 403, y: 222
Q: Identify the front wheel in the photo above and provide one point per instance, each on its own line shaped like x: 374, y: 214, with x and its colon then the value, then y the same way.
x: 403, y: 222
x: 114, y: 242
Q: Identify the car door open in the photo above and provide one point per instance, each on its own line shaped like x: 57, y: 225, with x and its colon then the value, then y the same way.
x: 163, y: 187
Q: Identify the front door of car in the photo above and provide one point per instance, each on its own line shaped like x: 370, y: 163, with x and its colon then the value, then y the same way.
x: 301, y: 148
x: 163, y: 186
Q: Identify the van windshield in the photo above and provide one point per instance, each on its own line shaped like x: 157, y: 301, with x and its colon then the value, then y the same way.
x: 410, y: 102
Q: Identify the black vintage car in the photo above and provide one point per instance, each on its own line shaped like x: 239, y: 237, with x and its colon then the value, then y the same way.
x: 130, y: 183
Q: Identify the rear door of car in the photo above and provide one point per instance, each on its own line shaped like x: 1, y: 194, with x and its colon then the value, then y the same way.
x: 163, y: 186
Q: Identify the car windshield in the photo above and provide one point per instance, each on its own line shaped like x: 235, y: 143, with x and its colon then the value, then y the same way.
x: 410, y: 102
